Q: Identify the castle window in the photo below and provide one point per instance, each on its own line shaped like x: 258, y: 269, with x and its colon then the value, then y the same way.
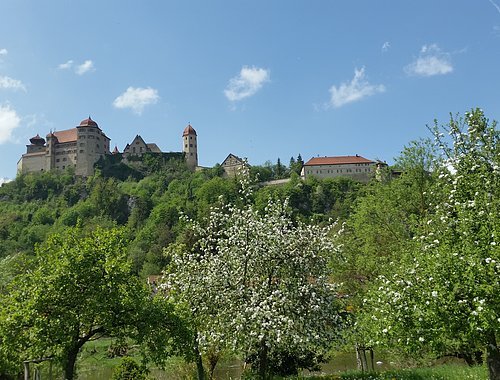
x: 133, y: 149
x: 81, y: 150
x: 65, y: 159
x: 82, y: 144
x: 190, y: 137
x: 190, y: 154
x: 57, y: 160
x: 185, y: 145
x: 141, y: 149
x: 190, y: 145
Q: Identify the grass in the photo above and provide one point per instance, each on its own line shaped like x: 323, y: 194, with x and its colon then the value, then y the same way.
x: 441, y: 372
x: 94, y: 363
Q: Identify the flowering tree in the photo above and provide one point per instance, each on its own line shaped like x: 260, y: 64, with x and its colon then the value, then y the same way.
x: 445, y: 294
x: 257, y: 284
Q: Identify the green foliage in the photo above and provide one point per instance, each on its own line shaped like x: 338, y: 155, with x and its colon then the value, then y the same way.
x: 80, y: 288
x: 129, y: 369
x: 257, y: 284
x: 444, y: 372
x: 442, y: 295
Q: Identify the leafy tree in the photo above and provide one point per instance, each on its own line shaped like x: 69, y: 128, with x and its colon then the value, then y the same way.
x: 129, y: 369
x: 81, y: 288
x: 257, y: 284
x: 296, y: 165
x: 443, y: 297
x: 279, y: 170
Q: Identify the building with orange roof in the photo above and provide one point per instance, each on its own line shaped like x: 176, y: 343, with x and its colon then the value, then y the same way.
x: 79, y: 148
x: 355, y: 167
x: 190, y: 146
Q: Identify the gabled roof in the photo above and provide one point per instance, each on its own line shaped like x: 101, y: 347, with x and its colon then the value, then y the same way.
x: 138, y: 138
x: 240, y: 161
x: 153, y: 148
x: 68, y: 135
x: 338, y: 160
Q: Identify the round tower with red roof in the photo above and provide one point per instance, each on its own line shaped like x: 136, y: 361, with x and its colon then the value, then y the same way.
x: 190, y: 146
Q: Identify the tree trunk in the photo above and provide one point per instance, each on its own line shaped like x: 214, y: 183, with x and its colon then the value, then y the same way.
x: 363, y: 360
x: 358, y: 358
x: 213, y: 357
x: 493, y: 358
x: 263, y: 361
x: 199, y: 362
x: 372, y: 359
x: 69, y: 363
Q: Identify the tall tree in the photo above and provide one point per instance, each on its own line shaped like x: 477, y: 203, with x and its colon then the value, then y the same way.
x: 258, y: 284
x: 443, y: 295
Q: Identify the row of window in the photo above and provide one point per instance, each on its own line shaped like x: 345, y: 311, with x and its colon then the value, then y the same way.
x: 68, y: 151
x: 91, y: 130
x: 90, y: 137
x: 328, y: 171
x: 64, y: 159
x: 83, y: 144
x: 63, y: 167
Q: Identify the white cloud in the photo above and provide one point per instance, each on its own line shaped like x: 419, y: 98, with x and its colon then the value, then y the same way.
x: 357, y: 89
x: 386, y: 46
x: 9, y: 120
x: 3, y: 52
x: 85, y: 67
x: 4, y: 180
x: 11, y: 84
x: 247, y: 83
x: 79, y: 69
x: 137, y: 98
x: 431, y: 61
x: 66, y: 66
x: 495, y: 5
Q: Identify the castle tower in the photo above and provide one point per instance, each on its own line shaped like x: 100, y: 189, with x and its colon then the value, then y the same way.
x: 190, y: 146
x: 50, y: 155
x: 92, y: 144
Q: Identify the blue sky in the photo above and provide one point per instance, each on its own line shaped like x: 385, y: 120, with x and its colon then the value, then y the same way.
x: 259, y: 79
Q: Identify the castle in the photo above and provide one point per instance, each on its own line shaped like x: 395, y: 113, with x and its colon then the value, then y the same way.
x: 81, y: 147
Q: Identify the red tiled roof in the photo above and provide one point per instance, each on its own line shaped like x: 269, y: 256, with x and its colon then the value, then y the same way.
x: 88, y: 123
x: 189, y: 131
x: 67, y: 135
x: 338, y: 160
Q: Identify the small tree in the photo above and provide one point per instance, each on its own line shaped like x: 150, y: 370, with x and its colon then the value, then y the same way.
x: 444, y: 296
x: 258, y: 284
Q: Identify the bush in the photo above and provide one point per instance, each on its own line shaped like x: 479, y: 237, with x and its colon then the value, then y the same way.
x: 129, y: 369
